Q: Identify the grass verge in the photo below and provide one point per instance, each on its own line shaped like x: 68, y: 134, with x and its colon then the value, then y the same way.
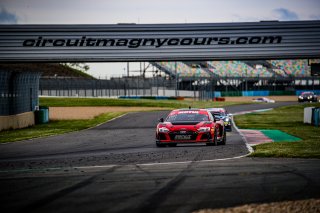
x: 70, y: 102
x: 54, y: 128
x: 288, y: 119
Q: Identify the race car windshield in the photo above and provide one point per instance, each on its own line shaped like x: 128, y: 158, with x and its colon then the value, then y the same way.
x: 307, y: 93
x: 187, y: 117
x: 217, y: 113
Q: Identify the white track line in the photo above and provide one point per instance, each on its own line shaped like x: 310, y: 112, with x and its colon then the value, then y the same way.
x: 186, y: 162
x: 49, y: 136
x: 93, y: 167
x: 250, y: 149
x: 107, y: 121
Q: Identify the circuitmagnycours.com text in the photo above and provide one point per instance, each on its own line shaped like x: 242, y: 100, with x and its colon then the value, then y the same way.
x: 85, y: 41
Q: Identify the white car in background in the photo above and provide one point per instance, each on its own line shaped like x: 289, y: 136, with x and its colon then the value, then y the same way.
x: 263, y: 100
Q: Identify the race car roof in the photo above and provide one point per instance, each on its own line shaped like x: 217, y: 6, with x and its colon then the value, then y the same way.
x: 217, y: 109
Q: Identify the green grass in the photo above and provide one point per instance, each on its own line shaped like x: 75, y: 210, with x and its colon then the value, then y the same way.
x: 69, y: 102
x: 287, y: 119
x: 54, y: 128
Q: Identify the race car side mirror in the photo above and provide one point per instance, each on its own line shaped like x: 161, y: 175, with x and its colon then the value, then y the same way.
x: 161, y: 120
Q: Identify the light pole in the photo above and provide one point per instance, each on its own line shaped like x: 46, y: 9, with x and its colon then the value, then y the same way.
x: 176, y: 91
x: 128, y: 69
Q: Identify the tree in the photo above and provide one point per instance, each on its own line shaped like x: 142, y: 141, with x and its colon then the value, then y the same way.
x: 76, y: 65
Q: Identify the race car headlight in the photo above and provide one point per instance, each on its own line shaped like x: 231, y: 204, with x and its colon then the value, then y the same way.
x: 227, y: 119
x: 163, y: 130
x: 204, y: 129
x: 300, y: 97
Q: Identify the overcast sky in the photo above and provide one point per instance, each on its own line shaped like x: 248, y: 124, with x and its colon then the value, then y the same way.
x: 152, y: 11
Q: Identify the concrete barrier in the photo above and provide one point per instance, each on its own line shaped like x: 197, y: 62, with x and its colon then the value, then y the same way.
x: 17, y: 121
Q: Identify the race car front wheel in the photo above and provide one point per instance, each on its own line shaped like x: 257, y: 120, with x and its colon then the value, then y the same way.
x: 214, y: 140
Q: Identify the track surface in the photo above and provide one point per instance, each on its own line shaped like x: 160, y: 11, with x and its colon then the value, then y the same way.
x: 115, y: 168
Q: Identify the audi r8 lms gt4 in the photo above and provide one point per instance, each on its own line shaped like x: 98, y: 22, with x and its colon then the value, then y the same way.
x: 307, y: 96
x: 190, y: 126
x: 223, y: 115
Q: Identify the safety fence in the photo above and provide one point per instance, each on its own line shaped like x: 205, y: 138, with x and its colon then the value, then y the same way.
x: 200, y: 89
x: 114, y: 87
x: 18, y: 92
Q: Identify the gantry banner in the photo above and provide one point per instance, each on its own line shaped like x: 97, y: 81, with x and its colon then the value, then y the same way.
x: 160, y: 42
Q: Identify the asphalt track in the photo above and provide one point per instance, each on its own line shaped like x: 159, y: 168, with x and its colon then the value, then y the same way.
x: 116, y: 167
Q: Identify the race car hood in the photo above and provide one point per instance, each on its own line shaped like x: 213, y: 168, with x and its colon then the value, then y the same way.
x: 185, y: 123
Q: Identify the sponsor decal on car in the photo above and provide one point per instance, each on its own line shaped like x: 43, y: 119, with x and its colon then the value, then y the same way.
x: 188, y: 112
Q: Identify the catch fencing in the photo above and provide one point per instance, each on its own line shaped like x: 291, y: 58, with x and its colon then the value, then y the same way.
x: 196, y: 88
x: 74, y: 87
x: 18, y: 92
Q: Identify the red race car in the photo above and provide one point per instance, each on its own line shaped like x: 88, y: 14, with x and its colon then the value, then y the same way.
x: 190, y: 126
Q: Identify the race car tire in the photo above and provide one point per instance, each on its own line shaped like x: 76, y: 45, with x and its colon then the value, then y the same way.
x: 223, y: 142
x: 160, y: 145
x: 172, y: 144
x: 215, y: 137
